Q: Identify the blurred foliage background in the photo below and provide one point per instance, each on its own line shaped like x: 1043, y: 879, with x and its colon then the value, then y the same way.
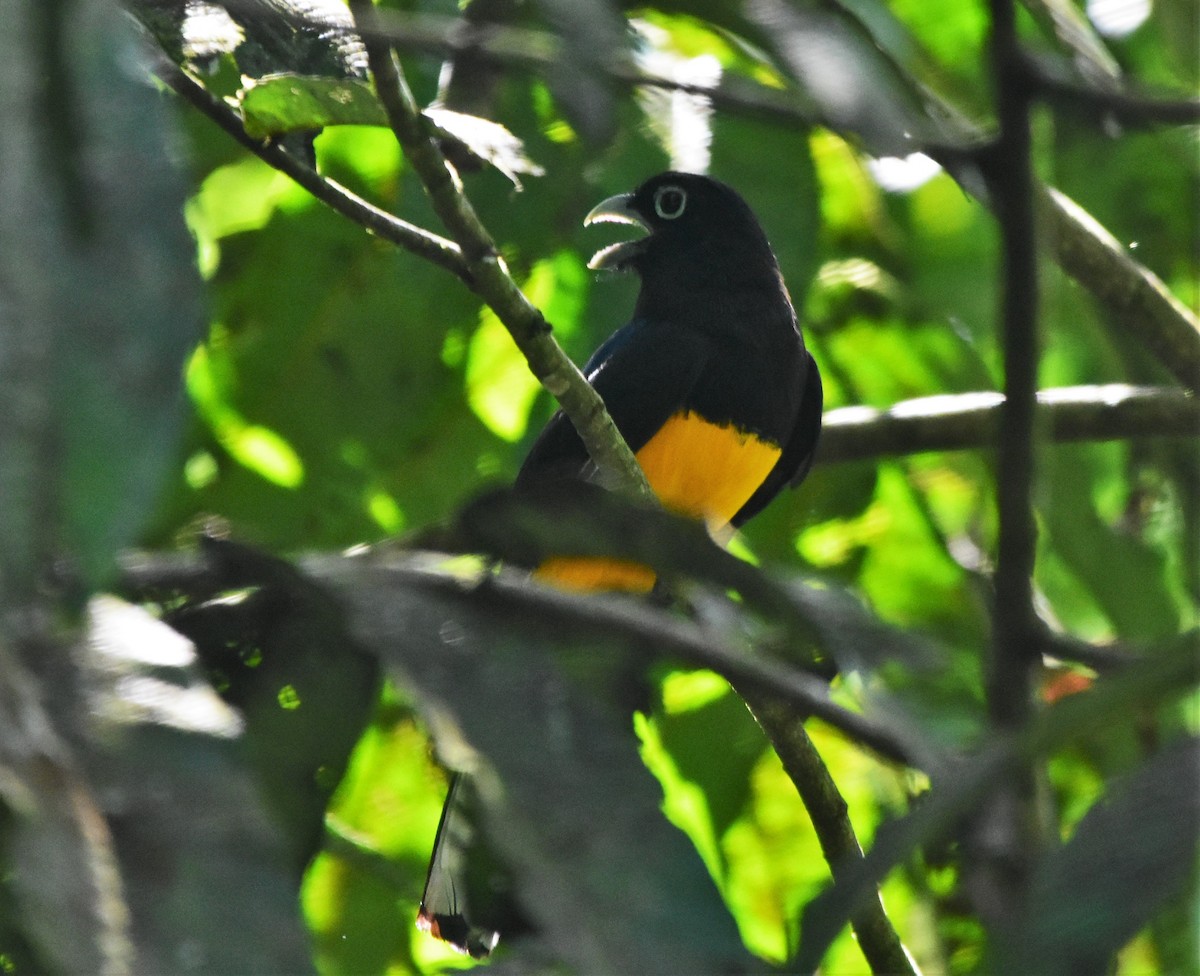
x: 343, y: 391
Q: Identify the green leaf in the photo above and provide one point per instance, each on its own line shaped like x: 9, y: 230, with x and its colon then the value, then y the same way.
x: 500, y: 387
x: 1142, y: 601
x: 277, y: 104
x: 256, y: 447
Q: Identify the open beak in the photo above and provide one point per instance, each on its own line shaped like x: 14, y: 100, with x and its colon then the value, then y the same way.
x: 616, y: 210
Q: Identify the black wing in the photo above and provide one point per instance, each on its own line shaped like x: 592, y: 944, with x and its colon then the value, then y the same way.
x: 643, y: 373
x: 798, y: 452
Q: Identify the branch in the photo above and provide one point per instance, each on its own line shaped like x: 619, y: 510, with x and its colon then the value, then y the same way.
x: 661, y: 634
x: 1133, y: 294
x: 1101, y: 658
x: 827, y: 809
x: 1127, y: 107
x: 969, y: 421
x: 164, y: 577
x: 431, y: 247
x: 489, y: 276
x: 1005, y: 835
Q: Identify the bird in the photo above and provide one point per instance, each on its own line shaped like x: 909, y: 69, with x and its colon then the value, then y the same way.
x: 712, y: 387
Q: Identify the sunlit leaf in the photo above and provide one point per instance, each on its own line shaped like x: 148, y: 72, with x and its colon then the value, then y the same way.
x: 278, y: 104
x: 500, y: 387
x: 258, y: 448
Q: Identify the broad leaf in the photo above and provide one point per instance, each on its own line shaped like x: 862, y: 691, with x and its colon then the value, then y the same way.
x: 624, y: 891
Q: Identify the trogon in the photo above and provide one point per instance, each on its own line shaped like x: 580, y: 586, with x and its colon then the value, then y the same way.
x: 711, y: 386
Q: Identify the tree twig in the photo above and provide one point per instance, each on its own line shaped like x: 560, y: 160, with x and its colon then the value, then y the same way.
x: 968, y: 421
x: 489, y: 276
x: 877, y: 938
x: 1132, y: 109
x: 444, y: 253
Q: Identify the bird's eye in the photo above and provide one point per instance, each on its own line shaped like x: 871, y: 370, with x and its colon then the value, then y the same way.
x: 669, y: 201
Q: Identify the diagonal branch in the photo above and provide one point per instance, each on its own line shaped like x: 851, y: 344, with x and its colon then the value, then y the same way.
x: 661, y: 634
x: 1135, y: 297
x: 877, y: 937
x: 490, y: 278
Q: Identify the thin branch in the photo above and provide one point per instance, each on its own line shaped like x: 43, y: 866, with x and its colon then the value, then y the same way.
x: 1101, y: 658
x: 1135, y: 297
x: 1012, y: 189
x: 970, y: 421
x: 490, y: 278
x: 431, y: 247
x: 877, y: 938
x: 1131, y: 109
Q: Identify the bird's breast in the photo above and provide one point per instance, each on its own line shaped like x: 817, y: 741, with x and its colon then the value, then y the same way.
x: 705, y: 469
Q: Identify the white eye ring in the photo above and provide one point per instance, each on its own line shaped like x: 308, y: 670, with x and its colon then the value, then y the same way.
x: 670, y: 201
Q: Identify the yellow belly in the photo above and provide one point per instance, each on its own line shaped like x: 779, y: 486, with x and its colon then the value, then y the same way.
x: 695, y: 467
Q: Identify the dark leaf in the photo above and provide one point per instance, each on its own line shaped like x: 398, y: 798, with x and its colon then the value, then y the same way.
x: 308, y: 37
x: 1133, y: 852
x: 542, y: 726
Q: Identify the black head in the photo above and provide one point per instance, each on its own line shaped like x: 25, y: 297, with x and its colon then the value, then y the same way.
x: 703, y: 243
x: 690, y: 219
